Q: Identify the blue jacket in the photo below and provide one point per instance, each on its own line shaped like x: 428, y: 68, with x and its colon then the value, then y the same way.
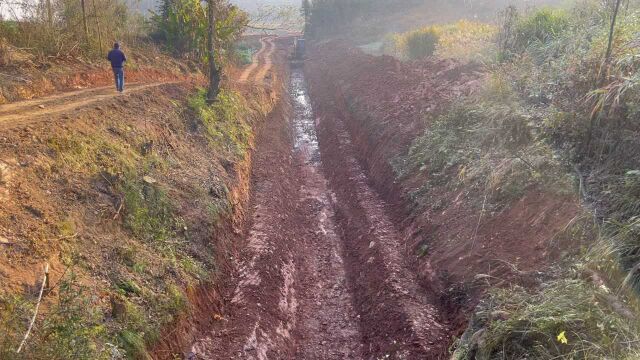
x: 117, y: 58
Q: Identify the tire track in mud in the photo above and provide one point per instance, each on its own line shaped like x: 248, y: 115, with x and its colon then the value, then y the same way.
x: 328, y: 322
x: 385, y: 290
x: 292, y: 299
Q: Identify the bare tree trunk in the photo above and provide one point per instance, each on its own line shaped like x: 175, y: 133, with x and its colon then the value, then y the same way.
x: 214, y: 71
x: 604, y: 70
x: 611, y: 31
x: 95, y: 13
x: 84, y: 21
x: 49, y: 14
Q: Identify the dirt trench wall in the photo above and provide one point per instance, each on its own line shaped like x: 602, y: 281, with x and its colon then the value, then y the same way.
x: 207, y: 301
x: 385, y: 105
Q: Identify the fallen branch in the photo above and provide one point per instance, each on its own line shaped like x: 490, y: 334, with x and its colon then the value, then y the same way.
x: 45, y: 280
x: 119, y: 209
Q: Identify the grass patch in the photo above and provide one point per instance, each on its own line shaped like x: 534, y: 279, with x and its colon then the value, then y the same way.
x: 225, y: 121
x: 149, y: 213
x: 488, y: 141
x: 520, y: 32
x: 73, y: 328
x: 89, y: 155
x: 465, y: 40
x: 568, y: 319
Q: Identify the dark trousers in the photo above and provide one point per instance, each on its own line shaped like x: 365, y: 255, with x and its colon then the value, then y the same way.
x: 118, y: 74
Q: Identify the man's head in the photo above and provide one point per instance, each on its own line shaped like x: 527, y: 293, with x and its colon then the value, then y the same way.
x: 116, y: 45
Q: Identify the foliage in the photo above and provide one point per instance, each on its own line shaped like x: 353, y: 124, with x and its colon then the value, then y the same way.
x: 553, y: 101
x: 539, y: 27
x: 60, y: 30
x: 182, y: 26
x: 486, y: 141
x: 227, y: 130
x: 465, y: 40
x: 568, y: 319
x: 419, y: 43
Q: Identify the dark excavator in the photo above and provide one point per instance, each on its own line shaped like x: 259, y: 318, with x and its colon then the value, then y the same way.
x: 298, y: 55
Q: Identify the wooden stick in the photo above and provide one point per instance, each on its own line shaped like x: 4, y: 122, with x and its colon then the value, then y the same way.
x: 35, y: 312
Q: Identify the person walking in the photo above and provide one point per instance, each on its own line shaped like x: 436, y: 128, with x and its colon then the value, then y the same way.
x: 117, y: 58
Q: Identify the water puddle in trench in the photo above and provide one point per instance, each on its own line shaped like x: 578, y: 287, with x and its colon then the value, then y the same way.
x: 306, y: 139
x: 327, y: 322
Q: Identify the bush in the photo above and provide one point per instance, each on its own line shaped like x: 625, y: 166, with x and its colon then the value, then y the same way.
x: 465, y: 40
x: 569, y: 319
x: 540, y: 27
x: 421, y: 43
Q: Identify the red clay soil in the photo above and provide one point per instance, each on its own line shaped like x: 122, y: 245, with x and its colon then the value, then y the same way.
x: 384, y: 104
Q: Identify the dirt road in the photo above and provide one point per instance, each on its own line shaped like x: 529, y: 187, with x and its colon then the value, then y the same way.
x: 261, y: 64
x: 26, y: 112
x: 323, y: 276
x: 29, y: 111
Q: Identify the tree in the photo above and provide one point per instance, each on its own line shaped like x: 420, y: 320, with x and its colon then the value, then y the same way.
x: 187, y: 27
x: 214, y: 71
x: 84, y: 21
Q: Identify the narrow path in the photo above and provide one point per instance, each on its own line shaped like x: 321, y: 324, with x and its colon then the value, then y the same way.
x: 30, y: 111
x: 261, y: 62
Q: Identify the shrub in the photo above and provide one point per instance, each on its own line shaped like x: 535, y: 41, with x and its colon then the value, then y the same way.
x: 419, y: 44
x: 568, y: 319
x: 225, y: 122
x: 540, y: 27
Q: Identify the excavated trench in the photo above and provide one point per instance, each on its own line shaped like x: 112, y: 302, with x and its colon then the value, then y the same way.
x: 323, y: 275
